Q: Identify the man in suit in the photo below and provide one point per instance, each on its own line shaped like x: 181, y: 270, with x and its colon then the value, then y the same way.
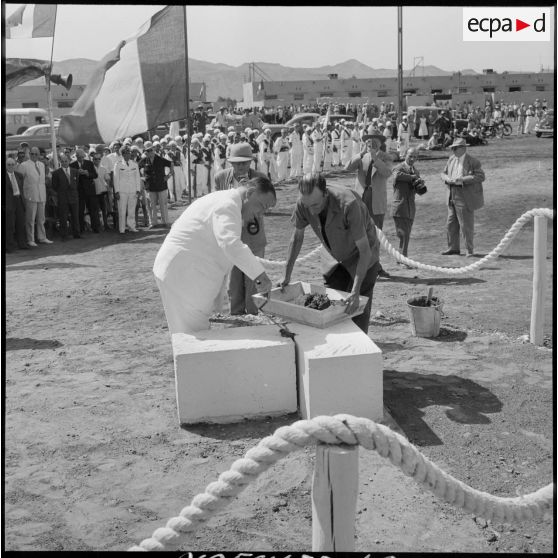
x: 373, y: 166
x: 241, y: 287
x: 14, y: 208
x: 463, y: 176
x: 87, y: 192
x: 65, y: 182
x: 34, y: 194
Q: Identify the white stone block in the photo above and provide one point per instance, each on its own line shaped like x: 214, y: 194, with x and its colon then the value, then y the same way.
x: 340, y: 370
x: 228, y: 374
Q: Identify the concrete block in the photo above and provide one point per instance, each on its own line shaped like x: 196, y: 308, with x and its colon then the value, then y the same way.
x: 225, y: 375
x: 340, y: 370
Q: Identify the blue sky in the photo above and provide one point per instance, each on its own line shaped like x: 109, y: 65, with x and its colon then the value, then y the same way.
x: 302, y: 36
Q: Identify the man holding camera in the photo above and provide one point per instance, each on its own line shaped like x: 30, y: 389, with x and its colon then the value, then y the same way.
x: 463, y: 176
x: 407, y: 182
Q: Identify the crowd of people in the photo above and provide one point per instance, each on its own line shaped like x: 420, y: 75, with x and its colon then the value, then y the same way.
x: 129, y: 183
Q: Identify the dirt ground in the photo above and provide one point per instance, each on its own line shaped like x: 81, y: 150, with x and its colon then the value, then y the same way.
x: 95, y: 458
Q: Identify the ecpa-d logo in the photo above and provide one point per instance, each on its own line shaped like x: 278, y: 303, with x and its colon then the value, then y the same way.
x: 506, y: 24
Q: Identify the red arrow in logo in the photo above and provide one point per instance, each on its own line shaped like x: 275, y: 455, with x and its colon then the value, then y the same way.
x: 519, y: 25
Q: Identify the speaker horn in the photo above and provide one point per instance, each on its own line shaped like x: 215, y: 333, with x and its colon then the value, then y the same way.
x: 64, y: 81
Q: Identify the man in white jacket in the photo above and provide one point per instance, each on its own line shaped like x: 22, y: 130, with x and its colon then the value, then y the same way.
x: 127, y: 186
x: 201, y: 248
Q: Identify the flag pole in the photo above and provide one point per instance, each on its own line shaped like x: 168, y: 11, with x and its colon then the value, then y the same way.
x: 49, y: 99
x: 187, y: 87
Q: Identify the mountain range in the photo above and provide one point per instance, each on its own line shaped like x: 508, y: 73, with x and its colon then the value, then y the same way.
x: 225, y: 81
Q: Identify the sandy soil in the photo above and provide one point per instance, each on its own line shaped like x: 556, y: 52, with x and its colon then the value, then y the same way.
x: 94, y: 456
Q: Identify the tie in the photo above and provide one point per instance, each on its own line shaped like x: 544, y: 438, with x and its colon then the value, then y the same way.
x: 68, y: 174
x: 14, y: 185
x: 37, y: 167
x: 368, y: 180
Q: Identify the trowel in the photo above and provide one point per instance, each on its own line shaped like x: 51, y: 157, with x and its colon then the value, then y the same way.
x: 283, y: 329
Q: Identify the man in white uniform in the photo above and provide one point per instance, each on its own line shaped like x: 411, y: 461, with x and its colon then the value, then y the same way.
x: 127, y: 185
x: 202, y: 247
x: 295, y: 141
x: 308, y: 149
x: 281, y: 151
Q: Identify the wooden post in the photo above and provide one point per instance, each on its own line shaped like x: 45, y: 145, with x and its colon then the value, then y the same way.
x: 539, y: 281
x: 334, y: 496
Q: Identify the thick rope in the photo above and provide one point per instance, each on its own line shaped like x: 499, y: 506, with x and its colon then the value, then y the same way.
x: 384, y: 242
x: 345, y: 429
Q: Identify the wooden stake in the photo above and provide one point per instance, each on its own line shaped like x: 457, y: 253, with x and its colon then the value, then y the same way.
x: 539, y: 281
x: 334, y: 496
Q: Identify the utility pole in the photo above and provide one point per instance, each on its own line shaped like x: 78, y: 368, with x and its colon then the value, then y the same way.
x: 400, y: 61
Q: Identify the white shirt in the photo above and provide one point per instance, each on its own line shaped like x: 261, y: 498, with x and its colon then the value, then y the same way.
x: 457, y: 168
x: 15, y: 186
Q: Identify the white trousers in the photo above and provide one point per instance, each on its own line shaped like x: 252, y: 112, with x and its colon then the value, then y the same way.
x: 282, y: 165
x: 35, y: 216
x: 307, y: 162
x: 318, y: 154
x: 296, y: 162
x: 127, y: 205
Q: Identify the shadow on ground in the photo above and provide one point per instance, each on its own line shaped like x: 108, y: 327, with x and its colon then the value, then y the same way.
x: 249, y: 429
x: 406, y: 394
x: 15, y: 344
x: 435, y: 280
x: 51, y: 265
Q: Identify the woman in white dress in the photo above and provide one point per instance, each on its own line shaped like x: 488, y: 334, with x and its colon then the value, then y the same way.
x: 423, y: 128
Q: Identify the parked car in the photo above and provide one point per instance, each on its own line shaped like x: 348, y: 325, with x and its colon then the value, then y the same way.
x: 546, y: 126
x: 309, y: 118
x: 35, y: 136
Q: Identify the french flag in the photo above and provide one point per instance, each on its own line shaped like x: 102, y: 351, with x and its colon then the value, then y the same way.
x: 31, y: 21
x: 135, y: 87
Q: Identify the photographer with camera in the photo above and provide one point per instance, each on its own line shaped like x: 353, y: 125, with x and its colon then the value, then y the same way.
x: 407, y: 182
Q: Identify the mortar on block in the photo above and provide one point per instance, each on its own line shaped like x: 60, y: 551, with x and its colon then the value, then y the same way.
x: 283, y: 302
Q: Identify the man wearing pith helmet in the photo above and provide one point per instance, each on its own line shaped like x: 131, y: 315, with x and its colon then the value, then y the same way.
x: 241, y: 287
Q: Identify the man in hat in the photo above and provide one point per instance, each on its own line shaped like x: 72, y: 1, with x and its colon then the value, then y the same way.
x: 192, y: 265
x: 281, y: 152
x: 341, y: 221
x: 267, y: 163
x: 200, y: 120
x: 295, y: 141
x: 14, y: 208
x: 373, y: 167
x: 241, y: 287
x: 126, y: 190
x: 87, y: 192
x: 318, y: 138
x: 152, y: 168
x: 463, y: 176
x: 403, y: 136
x: 308, y: 150
x: 221, y: 119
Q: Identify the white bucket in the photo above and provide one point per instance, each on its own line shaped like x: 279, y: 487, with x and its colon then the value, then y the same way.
x: 425, y: 320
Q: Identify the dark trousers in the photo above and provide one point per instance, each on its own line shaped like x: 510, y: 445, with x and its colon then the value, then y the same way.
x: 68, y: 209
x: 403, y: 228
x: 102, y: 200
x: 89, y: 201
x: 15, y: 225
x: 339, y: 278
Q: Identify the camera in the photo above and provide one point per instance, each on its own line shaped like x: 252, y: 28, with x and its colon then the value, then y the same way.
x: 419, y: 186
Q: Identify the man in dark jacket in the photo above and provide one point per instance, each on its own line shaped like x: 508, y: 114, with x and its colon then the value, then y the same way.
x: 152, y: 168
x: 65, y: 182
x: 14, y: 208
x: 86, y: 190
